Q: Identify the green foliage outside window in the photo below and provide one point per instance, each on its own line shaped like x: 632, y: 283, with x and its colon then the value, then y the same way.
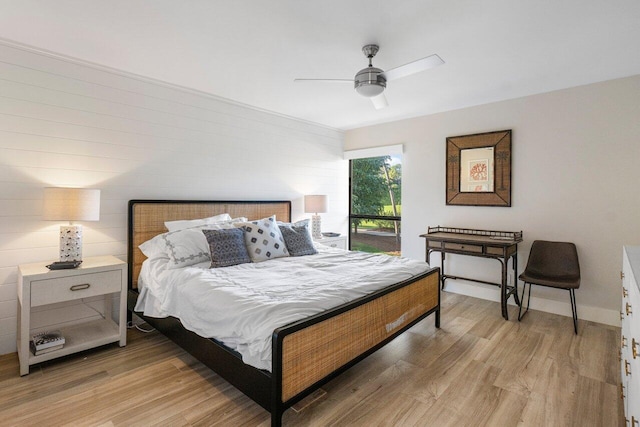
x: 375, y: 190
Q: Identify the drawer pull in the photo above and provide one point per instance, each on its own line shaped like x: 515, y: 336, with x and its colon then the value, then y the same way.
x: 622, y: 392
x: 628, y: 309
x: 623, y: 342
x: 621, y: 275
x: 634, y: 347
x: 634, y: 421
x: 627, y: 368
x: 625, y: 292
x: 80, y: 287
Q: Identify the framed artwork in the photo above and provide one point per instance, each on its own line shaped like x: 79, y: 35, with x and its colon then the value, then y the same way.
x: 478, y: 169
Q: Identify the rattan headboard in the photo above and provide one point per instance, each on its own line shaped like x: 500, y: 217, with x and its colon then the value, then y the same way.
x: 147, y: 217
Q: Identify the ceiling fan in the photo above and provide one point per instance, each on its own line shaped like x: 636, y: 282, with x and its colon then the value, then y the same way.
x: 371, y: 82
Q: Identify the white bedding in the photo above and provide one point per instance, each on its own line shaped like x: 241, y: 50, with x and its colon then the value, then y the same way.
x: 242, y: 305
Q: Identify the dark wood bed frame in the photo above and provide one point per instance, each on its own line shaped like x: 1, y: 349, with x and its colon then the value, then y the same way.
x: 306, y: 354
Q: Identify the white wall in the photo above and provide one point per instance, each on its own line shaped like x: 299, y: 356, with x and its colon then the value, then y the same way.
x: 65, y: 123
x: 576, y: 177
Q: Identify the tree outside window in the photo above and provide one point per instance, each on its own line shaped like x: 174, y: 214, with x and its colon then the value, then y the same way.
x: 375, y: 211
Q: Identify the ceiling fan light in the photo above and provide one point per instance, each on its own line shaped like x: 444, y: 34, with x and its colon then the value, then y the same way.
x: 369, y: 82
x: 369, y: 90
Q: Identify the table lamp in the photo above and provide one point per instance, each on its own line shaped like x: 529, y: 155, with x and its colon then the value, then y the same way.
x: 71, y: 204
x: 315, y: 204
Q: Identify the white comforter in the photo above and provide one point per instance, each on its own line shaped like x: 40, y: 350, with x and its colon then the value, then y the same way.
x: 242, y: 305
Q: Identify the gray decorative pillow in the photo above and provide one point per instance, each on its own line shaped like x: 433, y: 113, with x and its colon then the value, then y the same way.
x: 227, y: 247
x: 264, y: 239
x: 297, y: 238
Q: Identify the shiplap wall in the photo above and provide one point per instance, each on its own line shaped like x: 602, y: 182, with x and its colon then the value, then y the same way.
x: 67, y: 123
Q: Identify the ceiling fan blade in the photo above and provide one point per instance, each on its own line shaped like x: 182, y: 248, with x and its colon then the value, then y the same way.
x: 323, y: 80
x: 413, y: 67
x: 380, y: 101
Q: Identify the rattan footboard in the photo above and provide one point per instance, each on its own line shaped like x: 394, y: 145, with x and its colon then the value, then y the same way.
x: 313, y: 353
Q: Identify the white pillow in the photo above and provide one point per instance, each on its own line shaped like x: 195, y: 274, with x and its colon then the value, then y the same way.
x: 154, y: 248
x: 264, y: 239
x: 184, y: 247
x: 182, y: 224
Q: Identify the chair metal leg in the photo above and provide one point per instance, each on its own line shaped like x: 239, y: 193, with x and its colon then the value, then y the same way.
x: 574, y: 310
x: 514, y: 264
x: 524, y: 290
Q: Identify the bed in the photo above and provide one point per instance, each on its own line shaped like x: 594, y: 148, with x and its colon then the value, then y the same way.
x: 305, y: 354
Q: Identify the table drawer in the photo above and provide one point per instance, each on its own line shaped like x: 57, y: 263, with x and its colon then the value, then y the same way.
x: 49, y: 291
x: 495, y: 250
x: 463, y: 247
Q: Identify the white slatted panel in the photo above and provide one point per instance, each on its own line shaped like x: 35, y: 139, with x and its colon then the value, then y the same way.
x: 64, y: 123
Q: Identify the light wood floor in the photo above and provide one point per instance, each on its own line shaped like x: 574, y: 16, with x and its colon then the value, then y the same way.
x: 476, y: 370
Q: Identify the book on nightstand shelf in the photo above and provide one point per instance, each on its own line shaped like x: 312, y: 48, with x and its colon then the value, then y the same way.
x: 45, y: 350
x: 45, y: 342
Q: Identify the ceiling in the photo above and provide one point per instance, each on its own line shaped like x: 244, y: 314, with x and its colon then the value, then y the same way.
x: 250, y: 51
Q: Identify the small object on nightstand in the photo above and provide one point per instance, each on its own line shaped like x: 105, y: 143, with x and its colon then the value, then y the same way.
x: 46, y: 342
x: 63, y: 265
x: 45, y: 350
x: 330, y: 234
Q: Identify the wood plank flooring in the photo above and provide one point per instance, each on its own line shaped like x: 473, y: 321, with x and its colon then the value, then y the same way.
x: 477, y: 370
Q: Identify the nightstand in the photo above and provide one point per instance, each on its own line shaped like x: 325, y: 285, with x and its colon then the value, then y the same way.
x: 339, y: 242
x: 78, y: 302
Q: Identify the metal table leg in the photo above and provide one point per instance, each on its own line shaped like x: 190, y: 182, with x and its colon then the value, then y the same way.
x: 443, y: 276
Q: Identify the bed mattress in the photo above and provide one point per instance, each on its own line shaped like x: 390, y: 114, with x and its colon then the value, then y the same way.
x: 242, y: 305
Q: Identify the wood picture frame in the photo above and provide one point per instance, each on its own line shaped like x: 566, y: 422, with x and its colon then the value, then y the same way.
x: 478, y: 169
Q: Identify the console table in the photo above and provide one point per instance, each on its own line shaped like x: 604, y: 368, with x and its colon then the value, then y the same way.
x: 500, y: 245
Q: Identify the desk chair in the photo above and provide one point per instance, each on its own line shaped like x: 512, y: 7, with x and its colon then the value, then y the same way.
x: 552, y: 264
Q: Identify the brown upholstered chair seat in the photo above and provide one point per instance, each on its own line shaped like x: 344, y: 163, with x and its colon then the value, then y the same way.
x: 570, y: 282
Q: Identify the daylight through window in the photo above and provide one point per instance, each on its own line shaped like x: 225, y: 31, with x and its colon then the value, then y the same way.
x: 375, y: 204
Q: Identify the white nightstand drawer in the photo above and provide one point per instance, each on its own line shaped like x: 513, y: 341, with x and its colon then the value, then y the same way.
x: 49, y: 291
x: 339, y: 242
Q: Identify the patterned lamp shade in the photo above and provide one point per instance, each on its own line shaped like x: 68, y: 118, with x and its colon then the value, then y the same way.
x: 71, y: 204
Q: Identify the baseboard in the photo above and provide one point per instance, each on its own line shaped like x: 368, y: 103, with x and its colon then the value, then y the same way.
x: 585, y: 312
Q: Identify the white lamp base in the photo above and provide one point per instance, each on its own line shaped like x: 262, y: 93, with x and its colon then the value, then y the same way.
x: 71, y: 243
x: 316, y: 227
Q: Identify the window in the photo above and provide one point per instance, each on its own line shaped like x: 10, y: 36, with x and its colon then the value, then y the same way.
x: 375, y: 204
